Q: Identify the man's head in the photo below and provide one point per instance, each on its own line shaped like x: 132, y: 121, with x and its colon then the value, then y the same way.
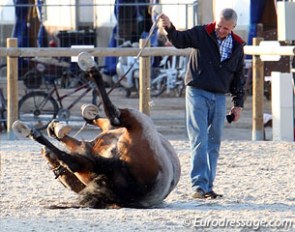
x: 226, y: 22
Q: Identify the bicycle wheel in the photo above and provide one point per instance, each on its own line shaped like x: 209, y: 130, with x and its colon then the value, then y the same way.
x: 38, y: 109
x: 158, y: 86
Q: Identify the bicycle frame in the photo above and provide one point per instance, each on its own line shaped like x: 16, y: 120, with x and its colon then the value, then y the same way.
x: 59, y: 98
x: 170, y: 76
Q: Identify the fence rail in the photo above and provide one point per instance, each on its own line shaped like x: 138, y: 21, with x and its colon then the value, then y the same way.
x: 98, y: 52
x: 12, y: 53
x: 281, y: 50
x: 258, y: 80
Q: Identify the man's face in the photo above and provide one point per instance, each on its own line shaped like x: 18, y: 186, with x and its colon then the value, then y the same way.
x: 223, y: 28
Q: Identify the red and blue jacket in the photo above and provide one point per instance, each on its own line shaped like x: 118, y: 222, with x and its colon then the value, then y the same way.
x: 205, y: 69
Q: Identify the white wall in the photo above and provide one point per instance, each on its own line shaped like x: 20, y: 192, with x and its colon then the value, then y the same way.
x: 6, y: 13
x: 63, y: 15
x: 85, y: 12
x: 104, y: 13
x: 242, y: 7
x: 176, y: 11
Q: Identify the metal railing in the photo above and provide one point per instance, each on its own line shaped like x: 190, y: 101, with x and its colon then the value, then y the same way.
x: 12, y: 53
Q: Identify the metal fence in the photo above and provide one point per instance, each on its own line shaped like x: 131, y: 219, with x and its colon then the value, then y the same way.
x: 67, y: 28
x: 98, y: 25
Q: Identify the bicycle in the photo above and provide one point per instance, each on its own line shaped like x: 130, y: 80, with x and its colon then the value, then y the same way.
x: 171, y: 77
x: 39, y: 108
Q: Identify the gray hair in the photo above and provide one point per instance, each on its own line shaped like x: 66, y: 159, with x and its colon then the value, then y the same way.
x: 229, y: 15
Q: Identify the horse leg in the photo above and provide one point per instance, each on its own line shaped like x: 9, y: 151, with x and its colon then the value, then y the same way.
x: 67, y: 178
x: 111, y: 111
x: 59, y: 130
x: 91, y: 116
x: 83, y: 166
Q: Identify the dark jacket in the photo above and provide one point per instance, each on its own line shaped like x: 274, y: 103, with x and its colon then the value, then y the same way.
x: 205, y: 70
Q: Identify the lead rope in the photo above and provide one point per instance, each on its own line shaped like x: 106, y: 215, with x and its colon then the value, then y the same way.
x: 121, y: 78
x: 137, y: 57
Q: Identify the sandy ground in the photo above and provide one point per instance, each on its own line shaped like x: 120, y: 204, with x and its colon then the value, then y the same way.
x: 256, y: 178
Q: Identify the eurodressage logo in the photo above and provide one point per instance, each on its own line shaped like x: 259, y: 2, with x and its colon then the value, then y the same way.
x: 254, y: 224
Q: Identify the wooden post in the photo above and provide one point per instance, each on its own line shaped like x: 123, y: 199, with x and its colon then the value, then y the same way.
x: 259, y: 30
x: 12, y: 88
x: 258, y: 90
x: 144, y: 82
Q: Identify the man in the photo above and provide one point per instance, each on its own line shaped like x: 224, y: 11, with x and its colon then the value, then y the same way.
x: 215, y: 68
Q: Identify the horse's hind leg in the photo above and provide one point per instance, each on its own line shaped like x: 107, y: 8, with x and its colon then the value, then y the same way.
x: 83, y: 166
x: 59, y: 131
x: 50, y: 153
x: 111, y: 111
x: 67, y: 178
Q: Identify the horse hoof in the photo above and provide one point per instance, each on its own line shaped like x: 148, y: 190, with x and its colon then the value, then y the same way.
x: 89, y: 111
x: 58, y: 129
x: 21, y: 129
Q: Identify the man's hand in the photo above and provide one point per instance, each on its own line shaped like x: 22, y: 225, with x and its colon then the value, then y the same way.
x: 236, y: 111
x: 164, y: 21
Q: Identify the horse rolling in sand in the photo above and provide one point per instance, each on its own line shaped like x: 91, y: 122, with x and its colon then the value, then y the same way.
x: 129, y: 164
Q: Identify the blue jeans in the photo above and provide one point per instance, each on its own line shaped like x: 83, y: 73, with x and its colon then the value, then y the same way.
x: 205, y: 115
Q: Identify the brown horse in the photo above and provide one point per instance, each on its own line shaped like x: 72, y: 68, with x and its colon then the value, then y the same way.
x: 129, y: 164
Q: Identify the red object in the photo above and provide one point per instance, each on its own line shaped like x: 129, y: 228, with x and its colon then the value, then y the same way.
x: 52, y: 43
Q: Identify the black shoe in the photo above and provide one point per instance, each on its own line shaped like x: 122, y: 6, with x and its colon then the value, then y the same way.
x: 212, y: 195
x: 199, y: 194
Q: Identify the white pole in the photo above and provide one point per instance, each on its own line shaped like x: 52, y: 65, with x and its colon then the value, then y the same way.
x: 282, y: 106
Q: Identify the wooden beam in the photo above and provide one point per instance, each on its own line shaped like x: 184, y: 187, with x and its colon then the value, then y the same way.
x: 155, y: 51
x: 144, y: 82
x: 282, y: 50
x: 98, y: 52
x: 12, y: 88
x: 258, y: 90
